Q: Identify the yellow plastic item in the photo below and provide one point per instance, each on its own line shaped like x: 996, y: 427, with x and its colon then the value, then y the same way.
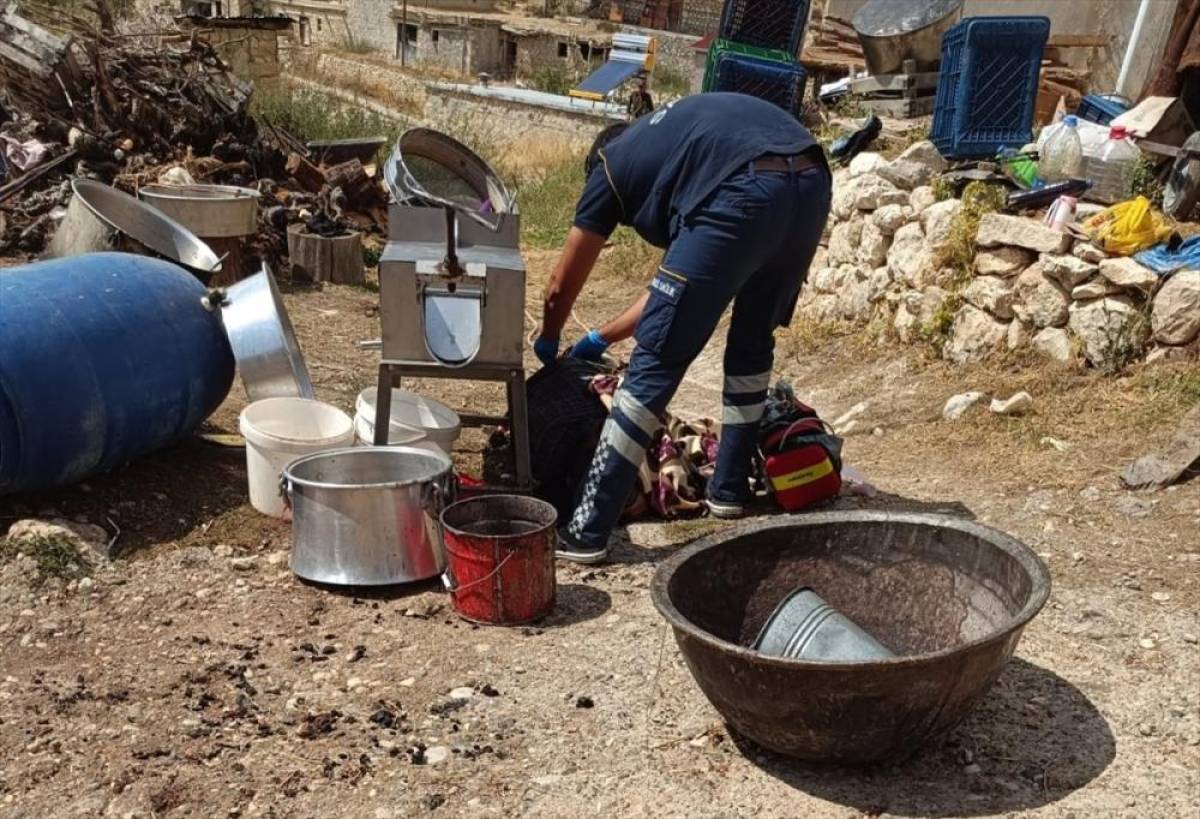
x: 1127, y: 227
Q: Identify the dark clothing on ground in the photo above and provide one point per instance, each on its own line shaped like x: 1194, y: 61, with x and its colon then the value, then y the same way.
x: 640, y: 103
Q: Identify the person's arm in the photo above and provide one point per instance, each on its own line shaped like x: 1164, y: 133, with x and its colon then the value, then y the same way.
x: 622, y: 327
x: 574, y: 266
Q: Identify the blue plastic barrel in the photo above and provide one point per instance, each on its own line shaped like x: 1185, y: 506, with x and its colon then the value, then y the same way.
x: 103, y: 358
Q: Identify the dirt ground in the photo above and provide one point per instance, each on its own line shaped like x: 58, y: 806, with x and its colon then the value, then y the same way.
x: 195, y: 676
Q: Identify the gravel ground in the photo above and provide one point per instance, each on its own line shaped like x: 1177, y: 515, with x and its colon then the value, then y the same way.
x: 195, y: 676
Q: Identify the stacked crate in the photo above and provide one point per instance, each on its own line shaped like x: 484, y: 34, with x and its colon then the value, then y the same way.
x: 756, y: 51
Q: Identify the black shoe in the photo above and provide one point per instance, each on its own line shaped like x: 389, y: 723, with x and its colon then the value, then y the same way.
x: 576, y: 552
x: 725, y: 510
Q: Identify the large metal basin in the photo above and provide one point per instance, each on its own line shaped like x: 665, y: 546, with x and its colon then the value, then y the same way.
x: 368, y: 516
x: 268, y: 356
x: 948, y: 596
x: 209, y: 211
x: 892, y: 31
x: 101, y: 218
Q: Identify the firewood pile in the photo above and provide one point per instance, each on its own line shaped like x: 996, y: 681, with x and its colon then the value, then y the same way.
x: 129, y: 109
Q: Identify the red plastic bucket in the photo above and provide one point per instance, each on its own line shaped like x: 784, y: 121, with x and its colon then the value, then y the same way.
x: 500, y: 558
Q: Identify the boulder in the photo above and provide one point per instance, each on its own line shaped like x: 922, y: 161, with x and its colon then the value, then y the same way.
x: 905, y: 174
x: 1097, y: 288
x: 1089, y: 252
x: 844, y: 240
x: 854, y: 300
x: 975, y: 335
x: 1111, y: 329
x: 891, y: 218
x: 822, y: 279
x: 990, y: 293
x: 957, y: 405
x: 1018, y: 404
x: 921, y: 198
x: 924, y: 153
x: 915, y: 311
x: 1067, y: 270
x: 878, y: 283
x: 872, y: 191
x: 89, y: 540
x: 872, y: 245
x: 1039, y: 300
x: 937, y: 221
x: 1129, y: 275
x: 1055, y: 343
x: 1175, y: 315
x: 841, y: 205
x: 909, y: 257
x: 997, y: 229
x: 1002, y: 261
x: 822, y: 309
x: 1019, y: 335
x: 905, y: 323
x: 866, y: 162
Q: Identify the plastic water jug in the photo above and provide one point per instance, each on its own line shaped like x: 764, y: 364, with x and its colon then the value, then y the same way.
x: 1112, y: 172
x: 1062, y: 153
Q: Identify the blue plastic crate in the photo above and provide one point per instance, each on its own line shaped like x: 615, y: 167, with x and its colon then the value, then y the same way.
x: 765, y: 23
x: 780, y: 83
x: 987, y: 87
x: 1099, y: 109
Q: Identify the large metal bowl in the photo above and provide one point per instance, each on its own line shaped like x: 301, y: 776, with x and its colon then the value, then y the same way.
x: 948, y: 596
x: 892, y: 31
x: 211, y: 211
x: 268, y: 356
x: 102, y: 218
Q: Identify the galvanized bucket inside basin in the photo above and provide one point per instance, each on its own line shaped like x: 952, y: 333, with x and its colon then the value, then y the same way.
x: 805, y: 627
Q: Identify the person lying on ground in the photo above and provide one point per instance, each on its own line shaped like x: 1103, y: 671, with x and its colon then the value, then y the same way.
x: 737, y: 192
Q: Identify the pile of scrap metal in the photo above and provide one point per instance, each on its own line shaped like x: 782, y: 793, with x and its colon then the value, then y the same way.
x: 132, y: 109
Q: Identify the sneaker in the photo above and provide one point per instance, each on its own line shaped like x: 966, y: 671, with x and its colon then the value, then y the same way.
x: 570, y: 549
x: 725, y: 510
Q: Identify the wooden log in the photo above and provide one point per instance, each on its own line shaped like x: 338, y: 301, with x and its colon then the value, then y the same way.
x: 313, y: 258
x: 1079, y: 40
x: 308, y: 175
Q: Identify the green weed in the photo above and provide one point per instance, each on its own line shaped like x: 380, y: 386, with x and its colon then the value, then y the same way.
x: 312, y: 115
x: 55, y: 557
x: 548, y: 205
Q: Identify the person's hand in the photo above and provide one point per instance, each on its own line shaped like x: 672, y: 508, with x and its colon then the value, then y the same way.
x: 590, y: 347
x: 546, y: 349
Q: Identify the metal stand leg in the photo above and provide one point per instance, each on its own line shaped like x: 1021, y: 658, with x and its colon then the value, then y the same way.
x: 519, y: 415
x: 383, y: 405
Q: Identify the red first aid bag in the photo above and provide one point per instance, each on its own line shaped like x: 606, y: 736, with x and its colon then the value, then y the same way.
x: 802, y: 464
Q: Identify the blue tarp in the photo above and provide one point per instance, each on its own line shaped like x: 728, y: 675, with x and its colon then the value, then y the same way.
x: 1163, y: 262
x: 607, y: 78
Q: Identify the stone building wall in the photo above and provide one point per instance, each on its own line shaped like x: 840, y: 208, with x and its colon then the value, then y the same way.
x: 886, y: 264
x: 252, y: 53
x: 318, y: 22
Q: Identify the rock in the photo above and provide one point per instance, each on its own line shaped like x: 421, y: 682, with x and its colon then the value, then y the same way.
x: 1039, y: 300
x: 822, y: 309
x: 1175, y: 316
x: 1163, y: 355
x: 223, y: 550
x: 242, y: 564
x: 462, y: 693
x: 854, y: 300
x: 1086, y: 210
x: 1097, y: 288
x: 1132, y: 506
x: 1129, y: 275
x: 997, y: 229
x: 957, y: 405
x: 905, y: 174
x: 88, y: 538
x: 873, y: 245
x: 850, y: 414
x: 1067, y: 270
x: 974, y: 335
x: 1055, y: 343
x: 1018, y: 404
x: 841, y: 205
x: 1088, y: 252
x: 909, y: 257
x: 844, y: 240
x: 916, y: 309
x: 872, y: 191
x: 937, y: 221
x: 924, y: 153
x: 878, y: 283
x: 1019, y: 335
x: 921, y: 198
x: 866, y: 162
x: 990, y: 293
x: 905, y: 323
x: 1002, y: 261
x: 891, y: 218
x: 436, y: 755
x: 1112, y: 330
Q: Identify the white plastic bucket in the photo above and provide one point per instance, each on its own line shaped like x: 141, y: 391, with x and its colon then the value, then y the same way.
x: 411, y: 413
x: 364, y: 429
x: 280, y: 430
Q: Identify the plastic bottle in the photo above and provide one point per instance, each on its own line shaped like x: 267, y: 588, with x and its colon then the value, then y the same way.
x: 1062, y: 153
x: 1112, y: 172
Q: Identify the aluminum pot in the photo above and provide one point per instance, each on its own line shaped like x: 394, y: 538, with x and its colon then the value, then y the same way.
x: 892, y: 31
x: 210, y: 211
x: 368, y: 516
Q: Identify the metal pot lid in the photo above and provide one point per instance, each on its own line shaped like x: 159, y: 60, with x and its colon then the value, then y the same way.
x: 891, y: 18
x: 264, y: 344
x: 146, y: 225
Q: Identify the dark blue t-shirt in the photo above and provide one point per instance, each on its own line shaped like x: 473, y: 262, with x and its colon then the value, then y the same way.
x: 666, y: 163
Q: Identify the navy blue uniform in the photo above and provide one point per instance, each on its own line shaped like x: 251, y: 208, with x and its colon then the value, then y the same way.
x: 685, y: 179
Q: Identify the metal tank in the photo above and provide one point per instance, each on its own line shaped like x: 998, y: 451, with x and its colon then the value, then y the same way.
x: 892, y: 31
x: 104, y: 357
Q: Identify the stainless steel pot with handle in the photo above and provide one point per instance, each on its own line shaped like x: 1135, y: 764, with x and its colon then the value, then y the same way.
x: 368, y: 516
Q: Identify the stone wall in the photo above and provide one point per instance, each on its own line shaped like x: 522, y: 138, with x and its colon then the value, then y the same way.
x: 886, y: 264
x: 545, y: 50
x: 252, y: 53
x: 393, y: 82
x: 317, y: 23
x: 447, y: 103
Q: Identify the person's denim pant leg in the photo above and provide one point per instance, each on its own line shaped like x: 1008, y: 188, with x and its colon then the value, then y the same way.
x: 750, y: 243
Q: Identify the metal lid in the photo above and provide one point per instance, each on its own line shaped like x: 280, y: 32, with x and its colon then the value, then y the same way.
x: 889, y: 18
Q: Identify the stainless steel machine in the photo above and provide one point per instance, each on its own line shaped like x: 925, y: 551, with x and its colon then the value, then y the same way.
x: 452, y: 281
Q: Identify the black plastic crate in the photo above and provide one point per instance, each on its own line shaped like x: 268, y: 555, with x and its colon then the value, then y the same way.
x: 780, y: 83
x: 766, y: 23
